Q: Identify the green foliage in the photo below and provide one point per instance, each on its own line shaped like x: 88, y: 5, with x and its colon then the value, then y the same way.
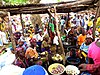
x: 59, y: 0
x: 15, y: 2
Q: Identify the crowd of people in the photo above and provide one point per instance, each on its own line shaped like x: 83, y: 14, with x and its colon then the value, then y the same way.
x: 76, y: 30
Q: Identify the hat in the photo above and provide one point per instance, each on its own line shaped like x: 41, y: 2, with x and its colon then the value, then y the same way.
x: 34, y: 70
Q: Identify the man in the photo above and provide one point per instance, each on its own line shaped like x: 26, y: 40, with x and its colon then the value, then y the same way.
x: 81, y: 37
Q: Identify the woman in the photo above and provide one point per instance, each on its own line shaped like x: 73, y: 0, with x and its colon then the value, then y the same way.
x: 31, y: 53
x: 20, y: 60
x: 35, y: 70
x: 45, y: 44
x: 94, y: 59
x: 84, y: 48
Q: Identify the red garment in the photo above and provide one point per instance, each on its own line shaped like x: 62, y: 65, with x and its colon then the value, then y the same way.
x: 21, y: 63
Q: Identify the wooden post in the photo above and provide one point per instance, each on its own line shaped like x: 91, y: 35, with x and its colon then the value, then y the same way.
x: 22, y: 24
x: 59, y: 37
x: 48, y: 24
x: 96, y: 16
x: 67, y: 21
x: 11, y: 34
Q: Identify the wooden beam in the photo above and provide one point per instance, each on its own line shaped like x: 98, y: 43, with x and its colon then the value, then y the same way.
x: 37, y: 7
x: 60, y: 9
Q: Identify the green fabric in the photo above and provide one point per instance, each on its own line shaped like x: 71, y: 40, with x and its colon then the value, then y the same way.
x: 52, y: 26
x: 63, y: 38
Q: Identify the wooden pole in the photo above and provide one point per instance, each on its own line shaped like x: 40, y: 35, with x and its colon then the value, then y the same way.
x: 59, y: 37
x: 11, y: 34
x: 22, y: 24
x: 96, y: 16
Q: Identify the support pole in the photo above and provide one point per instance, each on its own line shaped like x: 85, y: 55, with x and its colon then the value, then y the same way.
x: 22, y: 24
x: 96, y: 16
x: 59, y: 37
x: 11, y: 33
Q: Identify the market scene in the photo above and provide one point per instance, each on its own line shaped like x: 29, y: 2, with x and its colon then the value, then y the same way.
x: 49, y: 37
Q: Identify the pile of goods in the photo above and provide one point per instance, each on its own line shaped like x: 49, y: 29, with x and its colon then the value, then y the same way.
x: 56, y: 69
x: 44, y: 53
x: 72, y: 70
x: 57, y: 57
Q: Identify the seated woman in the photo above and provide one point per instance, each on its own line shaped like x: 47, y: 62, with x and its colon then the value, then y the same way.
x: 35, y: 70
x: 20, y: 60
x: 45, y: 44
x: 22, y: 44
x: 94, y: 59
x: 84, y: 48
x: 31, y: 53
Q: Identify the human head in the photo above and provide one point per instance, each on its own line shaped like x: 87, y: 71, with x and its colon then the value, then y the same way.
x: 33, y: 42
x: 72, y: 28
x: 89, y: 39
x: 46, y: 37
x: 34, y: 70
x: 83, y: 32
x: 40, y: 31
x: 21, y: 42
x: 20, y: 52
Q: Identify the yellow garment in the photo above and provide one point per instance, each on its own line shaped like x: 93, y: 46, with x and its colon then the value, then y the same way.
x: 98, y: 22
x: 31, y: 53
x: 90, y: 23
x: 44, y: 44
x: 98, y: 29
x: 31, y: 36
x: 81, y: 39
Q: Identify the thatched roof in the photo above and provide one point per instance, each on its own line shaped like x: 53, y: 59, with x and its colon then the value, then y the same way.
x: 62, y: 7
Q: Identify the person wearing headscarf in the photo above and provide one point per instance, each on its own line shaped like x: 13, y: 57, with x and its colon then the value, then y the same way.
x: 31, y: 51
x: 45, y: 44
x: 93, y: 66
x: 35, y: 70
x: 21, y: 60
x: 22, y: 44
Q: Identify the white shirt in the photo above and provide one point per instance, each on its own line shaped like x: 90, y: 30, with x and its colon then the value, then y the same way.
x: 38, y: 37
x: 78, y: 22
x: 55, y: 40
